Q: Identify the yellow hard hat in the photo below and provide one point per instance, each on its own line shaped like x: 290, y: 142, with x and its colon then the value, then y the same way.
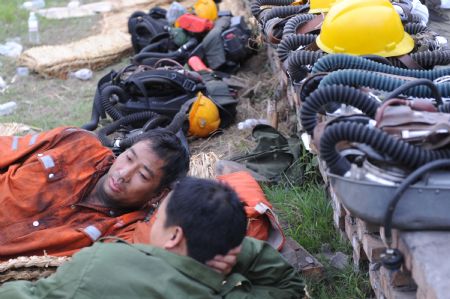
x: 206, y: 9
x: 362, y: 27
x: 318, y: 6
x: 203, y: 117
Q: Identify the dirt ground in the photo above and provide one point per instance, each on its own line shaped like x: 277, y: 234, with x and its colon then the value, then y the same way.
x: 443, y: 28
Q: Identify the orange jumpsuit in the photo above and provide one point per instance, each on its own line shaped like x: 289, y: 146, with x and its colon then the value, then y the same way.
x: 44, y: 179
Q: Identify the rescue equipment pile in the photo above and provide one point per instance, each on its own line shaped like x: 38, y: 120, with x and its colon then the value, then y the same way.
x: 371, y: 102
x: 183, y: 59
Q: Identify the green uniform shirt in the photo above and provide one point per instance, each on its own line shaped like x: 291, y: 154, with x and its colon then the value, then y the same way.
x: 122, y: 270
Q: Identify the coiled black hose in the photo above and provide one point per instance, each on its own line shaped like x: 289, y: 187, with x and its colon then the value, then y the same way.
x: 282, y: 12
x: 387, y: 83
x: 426, y: 59
x: 181, y: 55
x: 162, y: 45
x: 292, y: 42
x: 295, y: 22
x: 177, y: 122
x: 332, y: 94
x: 298, y: 59
x: 412, y: 18
x: 408, y: 181
x: 97, y: 110
x: 400, y: 151
x: 410, y: 84
x: 415, y: 28
x: 106, y: 94
x: 150, y: 59
x: 175, y: 125
x: 255, y: 7
x: 104, y: 132
x: 444, y: 108
x: 377, y: 58
x: 332, y: 62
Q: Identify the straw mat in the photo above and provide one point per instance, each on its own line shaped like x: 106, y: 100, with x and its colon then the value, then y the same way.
x: 94, y: 52
x: 9, y: 129
x: 30, y: 267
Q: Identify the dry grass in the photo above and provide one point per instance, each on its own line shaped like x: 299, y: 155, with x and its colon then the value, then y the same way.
x: 9, y: 129
x: 203, y: 165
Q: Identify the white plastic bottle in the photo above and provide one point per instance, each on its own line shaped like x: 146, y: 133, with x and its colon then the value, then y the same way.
x: 38, y: 4
x: 33, y: 29
x: 7, y: 108
x: 251, y: 123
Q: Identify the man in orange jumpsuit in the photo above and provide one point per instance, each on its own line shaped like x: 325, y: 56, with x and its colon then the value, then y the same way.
x: 62, y: 190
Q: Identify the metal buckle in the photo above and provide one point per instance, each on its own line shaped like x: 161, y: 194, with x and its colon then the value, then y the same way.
x: 189, y: 85
x: 442, y: 79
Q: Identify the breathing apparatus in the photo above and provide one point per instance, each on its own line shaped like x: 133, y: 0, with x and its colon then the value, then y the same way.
x: 382, y: 119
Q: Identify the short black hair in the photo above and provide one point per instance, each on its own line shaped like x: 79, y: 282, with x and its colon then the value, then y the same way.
x: 211, y: 215
x: 170, y: 149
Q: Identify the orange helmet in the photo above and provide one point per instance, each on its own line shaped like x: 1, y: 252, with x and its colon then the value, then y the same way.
x: 203, y: 117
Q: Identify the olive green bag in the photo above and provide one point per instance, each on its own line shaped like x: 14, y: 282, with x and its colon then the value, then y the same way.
x: 273, y: 153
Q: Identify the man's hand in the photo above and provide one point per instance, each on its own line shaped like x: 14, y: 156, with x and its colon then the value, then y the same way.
x: 225, y: 263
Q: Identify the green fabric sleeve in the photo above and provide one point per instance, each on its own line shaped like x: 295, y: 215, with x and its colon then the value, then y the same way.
x: 267, y: 274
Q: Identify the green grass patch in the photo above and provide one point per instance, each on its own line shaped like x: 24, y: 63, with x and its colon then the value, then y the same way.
x: 340, y: 284
x: 308, y: 214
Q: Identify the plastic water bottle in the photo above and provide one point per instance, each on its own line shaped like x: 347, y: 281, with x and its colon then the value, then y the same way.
x: 82, y: 74
x: 33, y: 5
x: 33, y: 29
x: 7, y: 108
x: 251, y: 123
x: 38, y: 4
x: 174, y: 12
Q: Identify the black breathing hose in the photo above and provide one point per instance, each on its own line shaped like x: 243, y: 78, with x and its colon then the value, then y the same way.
x: 408, y: 181
x: 426, y: 59
x: 157, y: 46
x: 255, y: 6
x: 332, y: 94
x: 298, y: 60
x: 97, y: 108
x: 106, y: 94
x: 444, y: 108
x: 400, y: 151
x: 377, y: 58
x: 177, y: 122
x: 281, y: 12
x: 104, y: 132
x: 422, y: 88
x: 291, y: 43
x: 415, y: 28
x: 150, y: 58
x: 295, y: 22
x: 332, y: 62
x: 401, y: 89
x: 175, y: 125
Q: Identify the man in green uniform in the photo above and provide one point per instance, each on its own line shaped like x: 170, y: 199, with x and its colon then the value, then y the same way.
x: 199, y: 220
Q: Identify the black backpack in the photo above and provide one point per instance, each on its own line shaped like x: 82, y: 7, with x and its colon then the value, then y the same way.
x: 146, y: 28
